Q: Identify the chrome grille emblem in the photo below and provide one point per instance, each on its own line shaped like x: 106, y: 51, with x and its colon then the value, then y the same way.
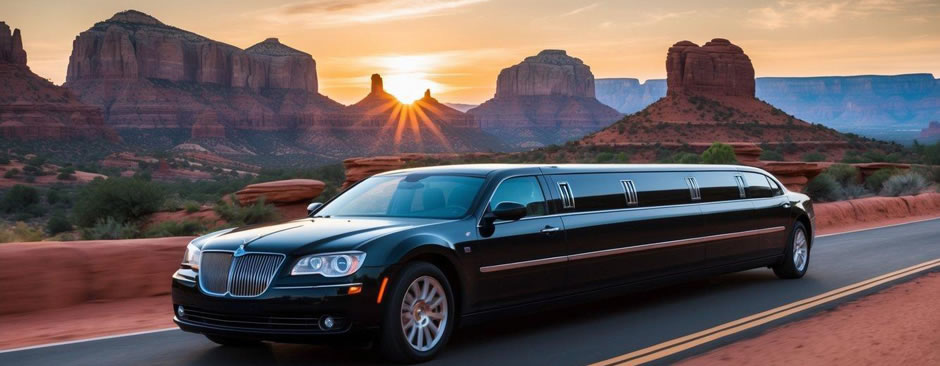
x: 238, y: 274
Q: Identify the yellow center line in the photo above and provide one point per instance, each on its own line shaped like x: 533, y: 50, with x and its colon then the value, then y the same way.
x: 695, y: 339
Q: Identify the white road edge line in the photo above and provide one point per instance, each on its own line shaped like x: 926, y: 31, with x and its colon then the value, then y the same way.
x: 879, y: 227
x: 88, y: 340
x: 175, y: 328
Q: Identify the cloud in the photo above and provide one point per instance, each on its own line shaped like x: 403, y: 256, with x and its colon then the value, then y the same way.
x: 324, y: 13
x: 581, y: 10
x: 802, y: 13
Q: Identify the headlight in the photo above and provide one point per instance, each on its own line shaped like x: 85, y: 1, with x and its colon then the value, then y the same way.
x: 329, y: 265
x: 192, y: 257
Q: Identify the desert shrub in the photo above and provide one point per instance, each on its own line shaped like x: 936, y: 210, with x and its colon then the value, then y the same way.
x: 771, y: 155
x: 122, y: 199
x: 844, y: 174
x: 719, y: 153
x: 824, y: 188
x: 604, y: 157
x: 876, y: 180
x: 57, y: 196
x: 58, y: 223
x: 191, y: 206
x: 19, y: 232
x: 109, y: 229
x: 12, y: 173
x: 854, y: 191
x: 256, y: 213
x: 174, y: 228
x: 814, y: 156
x: 66, y: 174
x: 19, y: 198
x: 904, y: 184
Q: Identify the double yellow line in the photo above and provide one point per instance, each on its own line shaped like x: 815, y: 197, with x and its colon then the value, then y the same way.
x: 677, y: 345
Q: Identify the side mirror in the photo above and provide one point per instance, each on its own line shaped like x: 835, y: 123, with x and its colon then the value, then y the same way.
x: 509, y: 211
x: 313, y: 207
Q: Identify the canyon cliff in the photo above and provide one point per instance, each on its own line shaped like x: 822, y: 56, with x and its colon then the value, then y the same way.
x: 862, y: 103
x: 710, y: 97
x: 32, y: 108
x: 931, y: 132
x: 545, y: 99
x: 149, y: 75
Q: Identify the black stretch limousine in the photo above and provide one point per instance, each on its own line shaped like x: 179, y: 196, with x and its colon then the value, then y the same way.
x: 404, y: 255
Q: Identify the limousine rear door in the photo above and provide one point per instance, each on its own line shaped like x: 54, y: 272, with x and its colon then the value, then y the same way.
x: 520, y: 260
x: 771, y: 212
x: 730, y: 218
x: 624, y: 227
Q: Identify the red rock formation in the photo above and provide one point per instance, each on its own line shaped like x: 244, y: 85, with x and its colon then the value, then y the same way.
x: 361, y: 168
x: 281, y: 192
x: 867, y: 169
x: 147, y: 74
x: 207, y: 126
x: 546, y: 99
x: 32, y: 108
x: 717, y: 68
x: 932, y: 131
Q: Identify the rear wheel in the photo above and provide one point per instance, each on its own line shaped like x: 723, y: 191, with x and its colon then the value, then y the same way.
x: 795, y: 260
x: 419, y: 314
x: 233, y: 342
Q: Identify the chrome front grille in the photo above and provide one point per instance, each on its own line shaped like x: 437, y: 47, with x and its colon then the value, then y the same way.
x: 221, y: 273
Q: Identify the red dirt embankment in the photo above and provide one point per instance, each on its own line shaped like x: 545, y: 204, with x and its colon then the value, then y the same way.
x: 49, y: 275
x: 832, y: 217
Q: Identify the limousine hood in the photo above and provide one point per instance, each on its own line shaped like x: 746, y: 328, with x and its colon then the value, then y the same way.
x: 308, y: 235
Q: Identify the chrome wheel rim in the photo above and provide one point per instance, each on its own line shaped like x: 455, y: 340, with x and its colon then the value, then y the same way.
x: 424, y: 313
x: 800, y: 250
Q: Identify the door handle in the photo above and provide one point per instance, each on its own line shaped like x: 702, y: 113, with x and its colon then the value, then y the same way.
x: 550, y: 229
x: 785, y: 205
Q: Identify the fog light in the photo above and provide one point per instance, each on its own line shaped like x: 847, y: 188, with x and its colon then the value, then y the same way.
x: 179, y: 311
x: 327, y: 322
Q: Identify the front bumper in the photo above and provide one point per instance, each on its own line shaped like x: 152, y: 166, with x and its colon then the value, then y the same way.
x: 294, y: 314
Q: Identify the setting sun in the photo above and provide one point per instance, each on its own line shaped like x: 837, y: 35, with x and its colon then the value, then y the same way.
x: 409, y: 87
x: 408, y: 76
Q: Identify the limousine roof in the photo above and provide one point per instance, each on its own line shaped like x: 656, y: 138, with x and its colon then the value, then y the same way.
x: 486, y: 169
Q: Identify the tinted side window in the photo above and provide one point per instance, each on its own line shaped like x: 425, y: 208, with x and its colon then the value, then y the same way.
x: 523, y: 190
x: 757, y: 186
x: 774, y: 187
x: 717, y: 186
x: 660, y: 189
x: 594, y: 192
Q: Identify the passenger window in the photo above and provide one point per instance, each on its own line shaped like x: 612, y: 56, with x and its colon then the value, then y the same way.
x: 594, y: 192
x: 757, y: 186
x: 522, y: 190
x: 660, y: 189
x: 717, y: 186
x: 774, y: 187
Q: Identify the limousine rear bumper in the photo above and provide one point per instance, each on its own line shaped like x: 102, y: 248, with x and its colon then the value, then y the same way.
x: 292, y: 315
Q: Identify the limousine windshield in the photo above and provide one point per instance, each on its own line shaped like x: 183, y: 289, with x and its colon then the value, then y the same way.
x: 414, y: 195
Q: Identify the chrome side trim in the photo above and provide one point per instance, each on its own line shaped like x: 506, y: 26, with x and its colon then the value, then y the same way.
x: 517, y: 265
x: 630, y: 249
x: 318, y: 286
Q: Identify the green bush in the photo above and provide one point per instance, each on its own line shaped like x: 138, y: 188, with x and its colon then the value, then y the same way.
x: 12, y: 173
x: 174, y: 228
x: 109, y: 229
x: 904, y: 184
x: 19, y: 232
x: 771, y: 155
x: 192, y: 206
x: 824, y: 188
x: 122, y: 199
x: 814, y: 156
x: 876, y: 180
x: 844, y: 174
x: 604, y: 157
x: 58, y: 223
x: 256, y: 213
x: 719, y: 153
x: 19, y: 198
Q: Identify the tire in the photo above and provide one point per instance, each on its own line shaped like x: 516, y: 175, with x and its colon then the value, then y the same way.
x: 794, y: 264
x: 418, y: 313
x: 233, y: 342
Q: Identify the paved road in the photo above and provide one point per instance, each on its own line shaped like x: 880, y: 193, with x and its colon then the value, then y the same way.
x: 575, y: 335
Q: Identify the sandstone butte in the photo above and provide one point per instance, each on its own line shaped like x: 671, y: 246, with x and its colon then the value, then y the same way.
x: 32, y: 108
x: 381, y: 124
x: 546, y: 99
x: 710, y: 97
x: 932, y: 131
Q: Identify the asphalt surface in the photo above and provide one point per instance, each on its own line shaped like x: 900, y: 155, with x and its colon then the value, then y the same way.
x: 573, y: 335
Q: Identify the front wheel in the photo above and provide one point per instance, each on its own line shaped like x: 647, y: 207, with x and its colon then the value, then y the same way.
x: 419, y: 314
x: 795, y: 260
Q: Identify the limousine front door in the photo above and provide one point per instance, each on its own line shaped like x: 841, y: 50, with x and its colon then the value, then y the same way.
x: 520, y: 260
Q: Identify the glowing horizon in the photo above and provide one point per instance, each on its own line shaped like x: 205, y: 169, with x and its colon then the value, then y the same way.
x: 456, y: 48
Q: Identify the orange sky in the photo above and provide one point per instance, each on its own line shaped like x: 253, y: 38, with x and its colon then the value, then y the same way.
x: 457, y: 47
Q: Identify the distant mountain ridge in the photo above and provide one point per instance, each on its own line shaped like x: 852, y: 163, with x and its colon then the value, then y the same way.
x: 842, y: 102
